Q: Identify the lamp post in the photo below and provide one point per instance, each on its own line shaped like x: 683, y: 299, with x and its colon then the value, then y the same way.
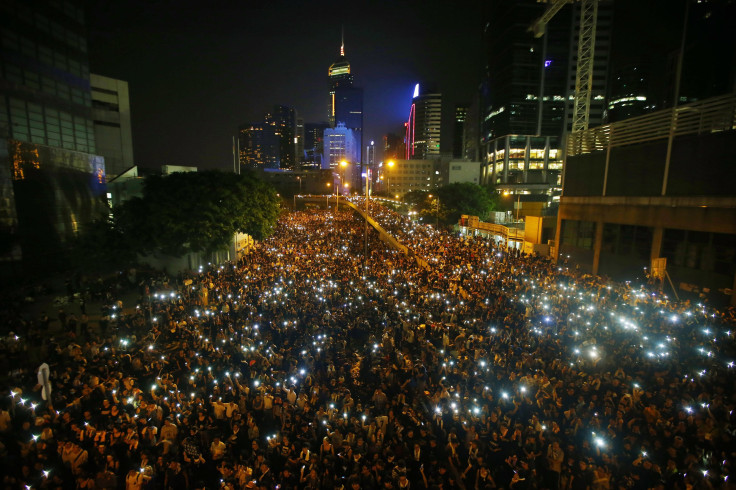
x: 437, y: 212
x: 518, y: 201
x: 341, y: 177
x: 390, y: 164
x: 327, y: 203
x: 368, y: 185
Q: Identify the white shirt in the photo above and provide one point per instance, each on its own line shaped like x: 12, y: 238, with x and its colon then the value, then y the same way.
x: 44, y: 373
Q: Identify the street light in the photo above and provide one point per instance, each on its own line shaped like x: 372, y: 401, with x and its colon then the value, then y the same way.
x: 299, y: 178
x: 518, y: 200
x: 390, y: 164
x: 437, y: 199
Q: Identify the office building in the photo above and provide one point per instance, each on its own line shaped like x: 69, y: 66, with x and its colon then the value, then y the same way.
x: 299, y: 140
x: 52, y: 181
x: 424, y: 125
x: 394, y: 145
x: 259, y: 146
x: 272, y: 143
x: 345, y: 101
x: 527, y: 97
x: 340, y: 144
x: 458, y: 146
x: 370, y: 155
x: 426, y: 175
x: 313, y: 144
x: 283, y: 119
x: 111, y: 115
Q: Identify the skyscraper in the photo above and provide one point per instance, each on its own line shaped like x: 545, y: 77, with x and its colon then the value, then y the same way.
x: 283, y: 119
x: 113, y: 133
x: 299, y: 140
x: 313, y: 144
x: 528, y: 92
x: 339, y: 77
x: 345, y: 104
x: 423, y: 126
x: 458, y: 147
x: 259, y: 146
x: 52, y: 182
x: 340, y: 144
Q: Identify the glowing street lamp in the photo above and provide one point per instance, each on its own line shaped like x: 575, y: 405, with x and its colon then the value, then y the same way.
x: 437, y: 201
x: 518, y: 200
x: 390, y: 164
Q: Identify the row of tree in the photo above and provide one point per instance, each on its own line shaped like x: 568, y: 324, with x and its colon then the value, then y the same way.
x: 181, y: 213
x: 446, y: 204
x: 201, y: 211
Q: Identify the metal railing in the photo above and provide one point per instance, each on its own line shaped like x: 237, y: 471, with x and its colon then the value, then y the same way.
x: 706, y: 116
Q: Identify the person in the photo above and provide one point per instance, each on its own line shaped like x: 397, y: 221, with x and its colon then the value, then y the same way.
x: 43, y: 375
x: 555, y: 457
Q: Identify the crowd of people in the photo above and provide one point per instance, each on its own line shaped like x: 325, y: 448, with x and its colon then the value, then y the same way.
x: 310, y: 363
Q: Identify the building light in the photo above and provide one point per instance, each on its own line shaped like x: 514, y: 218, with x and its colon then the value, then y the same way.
x: 416, y: 91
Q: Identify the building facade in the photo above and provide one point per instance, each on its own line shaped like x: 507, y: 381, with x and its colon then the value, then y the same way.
x: 52, y: 181
x: 526, y: 98
x: 259, y: 147
x: 458, y: 143
x: 345, y: 101
x: 340, y: 144
x: 659, y: 186
x: 423, y: 128
x: 111, y: 115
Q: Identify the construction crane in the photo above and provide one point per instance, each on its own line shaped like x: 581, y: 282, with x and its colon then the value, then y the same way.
x: 586, y: 50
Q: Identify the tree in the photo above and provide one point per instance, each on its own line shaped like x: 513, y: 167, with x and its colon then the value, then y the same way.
x: 463, y: 198
x: 197, y: 212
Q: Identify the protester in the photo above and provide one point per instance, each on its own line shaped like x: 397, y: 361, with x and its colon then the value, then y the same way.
x: 308, y: 364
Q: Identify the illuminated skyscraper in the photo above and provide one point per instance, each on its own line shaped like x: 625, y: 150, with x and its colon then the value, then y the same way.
x: 423, y: 126
x: 345, y: 104
x: 340, y: 77
x: 340, y: 144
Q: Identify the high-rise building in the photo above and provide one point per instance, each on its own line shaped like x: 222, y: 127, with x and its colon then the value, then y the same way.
x: 340, y: 144
x: 349, y: 107
x: 52, y: 182
x: 283, y: 119
x: 339, y: 77
x: 345, y: 102
x: 394, y: 145
x: 299, y: 140
x: 271, y: 144
x: 458, y: 147
x: 424, y: 125
x: 313, y: 147
x: 113, y: 133
x: 527, y: 95
x: 629, y: 94
x: 370, y: 154
x: 259, y: 146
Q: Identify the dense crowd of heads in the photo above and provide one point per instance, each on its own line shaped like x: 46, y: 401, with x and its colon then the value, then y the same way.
x: 308, y: 364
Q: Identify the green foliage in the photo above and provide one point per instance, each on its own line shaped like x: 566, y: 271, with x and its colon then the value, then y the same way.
x: 464, y: 198
x: 197, y: 212
x: 454, y: 201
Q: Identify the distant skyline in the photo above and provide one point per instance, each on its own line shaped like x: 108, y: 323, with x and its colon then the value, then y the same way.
x: 197, y: 70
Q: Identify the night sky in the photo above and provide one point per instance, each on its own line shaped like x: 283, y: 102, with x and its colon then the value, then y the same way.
x: 197, y: 70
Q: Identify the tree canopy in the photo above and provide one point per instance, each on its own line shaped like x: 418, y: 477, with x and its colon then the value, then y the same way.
x: 454, y: 200
x: 197, y: 212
